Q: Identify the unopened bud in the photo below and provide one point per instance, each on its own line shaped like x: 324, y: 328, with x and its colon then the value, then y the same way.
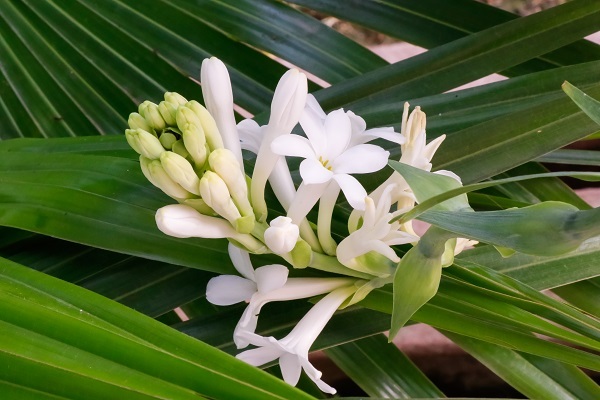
x: 144, y: 143
x: 136, y: 121
x: 167, y: 139
x: 163, y: 181
x: 225, y: 164
x: 150, y: 112
x: 200, y: 206
x: 282, y: 235
x: 181, y: 171
x: 169, y: 112
x: 215, y: 193
x: 179, y: 148
x: 195, y: 143
x: 211, y: 131
x: 175, y: 98
x: 186, y: 116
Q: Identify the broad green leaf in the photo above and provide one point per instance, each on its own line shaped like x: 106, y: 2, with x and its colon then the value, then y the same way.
x: 540, y: 272
x: 431, y: 23
x: 381, y: 369
x: 438, y: 315
x: 464, y: 60
x: 583, y: 294
x: 96, y: 200
x: 525, y: 376
x: 572, y: 157
x: 57, y: 330
x: 435, y: 198
x: 589, y: 105
x: 549, y: 228
x: 291, y: 35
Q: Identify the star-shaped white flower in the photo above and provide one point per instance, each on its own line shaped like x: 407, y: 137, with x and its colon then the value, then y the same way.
x: 261, y: 286
x: 292, y: 350
x: 330, y: 156
x: 376, y: 234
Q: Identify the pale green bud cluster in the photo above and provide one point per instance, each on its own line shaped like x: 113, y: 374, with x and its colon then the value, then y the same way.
x: 181, y: 152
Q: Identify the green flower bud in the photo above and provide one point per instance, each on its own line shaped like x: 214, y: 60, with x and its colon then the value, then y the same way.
x: 144, y: 143
x: 216, y: 195
x: 200, y: 206
x: 167, y: 139
x: 179, y: 148
x: 195, y: 143
x: 150, y: 112
x: 185, y: 117
x: 169, y: 112
x: 181, y: 171
x: 175, y: 98
x: 211, y: 131
x: 163, y: 181
x: 136, y: 121
x: 224, y: 163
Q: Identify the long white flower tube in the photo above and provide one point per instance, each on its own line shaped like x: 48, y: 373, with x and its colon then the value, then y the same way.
x: 183, y: 221
x: 287, y: 105
x: 261, y: 286
x: 218, y: 97
x: 292, y: 350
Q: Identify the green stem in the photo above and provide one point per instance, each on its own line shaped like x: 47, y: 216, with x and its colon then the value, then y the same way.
x: 331, y: 264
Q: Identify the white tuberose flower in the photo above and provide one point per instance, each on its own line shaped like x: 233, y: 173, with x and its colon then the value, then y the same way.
x: 292, y: 350
x: 376, y: 234
x: 329, y: 156
x: 260, y: 286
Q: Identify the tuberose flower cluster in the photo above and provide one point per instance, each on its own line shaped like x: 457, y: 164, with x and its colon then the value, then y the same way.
x: 194, y: 155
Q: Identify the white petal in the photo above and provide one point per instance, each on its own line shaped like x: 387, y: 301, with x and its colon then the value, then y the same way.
x: 293, y: 146
x: 361, y: 159
x: 218, y: 97
x: 313, y: 105
x: 241, y: 261
x: 290, y: 368
x: 281, y: 236
x: 225, y: 290
x: 386, y: 133
x: 270, y: 277
x: 353, y: 190
x: 313, y: 172
x: 338, y: 131
x: 251, y: 135
x: 432, y: 147
x: 260, y: 356
x: 358, y: 124
x: 182, y: 221
x: 315, y: 375
x: 449, y: 174
x: 383, y: 249
x: 312, y: 125
x: 289, y: 100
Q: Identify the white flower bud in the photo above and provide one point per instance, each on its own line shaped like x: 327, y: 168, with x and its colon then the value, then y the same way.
x: 169, y: 112
x: 211, y: 131
x: 224, y: 163
x: 144, y: 143
x: 282, y: 235
x: 195, y: 143
x: 181, y: 221
x: 179, y: 148
x: 181, y: 171
x: 218, y: 97
x: 136, y: 121
x: 150, y: 112
x: 175, y: 98
x: 163, y: 181
x: 215, y: 193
